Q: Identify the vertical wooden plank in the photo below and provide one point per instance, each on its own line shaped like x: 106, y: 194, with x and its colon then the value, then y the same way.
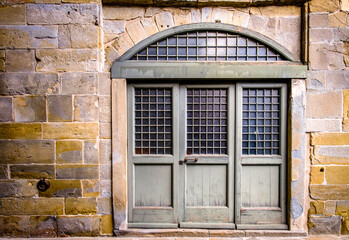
x: 119, y: 151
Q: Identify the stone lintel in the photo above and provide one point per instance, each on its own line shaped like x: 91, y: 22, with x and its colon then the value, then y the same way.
x: 204, y: 3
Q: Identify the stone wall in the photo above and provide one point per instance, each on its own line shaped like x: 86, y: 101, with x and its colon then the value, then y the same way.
x: 55, y: 107
x: 327, y: 116
x: 55, y: 120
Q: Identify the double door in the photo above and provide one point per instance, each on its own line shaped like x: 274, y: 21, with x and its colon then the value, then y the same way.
x: 183, y: 169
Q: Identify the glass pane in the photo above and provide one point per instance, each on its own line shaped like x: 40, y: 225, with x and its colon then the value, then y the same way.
x: 208, y: 45
x: 261, y: 123
x: 206, y: 130
x: 153, y: 121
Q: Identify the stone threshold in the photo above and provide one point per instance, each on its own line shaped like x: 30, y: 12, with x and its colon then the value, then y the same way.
x: 151, y: 233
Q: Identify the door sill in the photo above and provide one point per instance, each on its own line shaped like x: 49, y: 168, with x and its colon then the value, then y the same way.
x: 207, y: 225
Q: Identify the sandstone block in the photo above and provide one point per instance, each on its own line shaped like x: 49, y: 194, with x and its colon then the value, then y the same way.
x: 342, y: 208
x: 338, y: 19
x: 2, y: 60
x: 26, y: 151
x: 90, y: 152
x: 329, y: 192
x: 84, y: 36
x: 324, y: 56
x: 111, y: 55
x: 321, y: 35
x: 20, y: 131
x: 241, y: 19
x: 68, y: 152
x: 28, y: 36
x: 345, y: 226
x: 105, y: 130
x: 77, y: 172
x: 64, y: 59
x: 330, y: 207
x: 18, y: 188
x: 14, y: 226
x: 29, y: 109
x: 63, y: 188
x: 324, y: 6
x: 222, y: 15
x: 149, y: 26
x: 195, y: 15
x: 64, y: 36
x: 346, y: 103
x: 317, y: 175
x: 104, y: 83
x: 316, y: 80
x: 104, y: 206
x: 331, y: 155
x: 90, y: 188
x: 325, y: 225
x: 323, y: 125
x: 105, y: 151
x: 20, y: 61
x: 122, y: 13
x: 43, y: 226
x: 6, y: 109
x: 32, y: 171
x: 295, y: 171
x: 8, y: 188
x: 3, y: 172
x: 60, y: 108
x: 164, y: 20
x: 316, y: 208
x: 32, y: 206
x: 181, y: 16
x: 151, y: 11
x: 78, y: 226
x: 107, y: 225
x: 318, y: 20
x: 123, y: 43
x: 257, y: 23
x: 28, y: 83
x: 12, y: 15
x: 86, y: 108
x: 337, y: 174
x: 79, y: 83
x: 324, y: 104
x: 105, y: 188
x: 62, y: 14
x: 105, y: 109
x: 345, y: 5
x: 206, y: 14
x: 337, y: 80
x: 329, y: 138
x: 80, y: 1
x: 136, y: 31
x: 105, y: 171
x: 114, y: 27
x: 70, y: 130
x: 83, y: 206
x: 276, y: 11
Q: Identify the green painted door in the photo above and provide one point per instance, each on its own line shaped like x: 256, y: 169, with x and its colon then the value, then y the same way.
x: 193, y: 162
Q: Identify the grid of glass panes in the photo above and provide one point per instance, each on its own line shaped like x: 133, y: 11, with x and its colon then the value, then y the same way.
x: 153, y: 121
x: 261, y: 121
x: 206, y: 121
x: 207, y: 46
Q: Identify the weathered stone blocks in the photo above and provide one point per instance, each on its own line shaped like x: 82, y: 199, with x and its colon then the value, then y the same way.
x: 63, y: 188
x: 60, y: 108
x: 329, y: 138
x: 104, y: 206
x: 6, y: 109
x: 28, y: 36
x: 3, y: 172
x: 83, y: 206
x: 90, y: 188
x: 114, y: 27
x: 122, y: 13
x: 68, y: 152
x: 60, y: 60
x: 329, y: 192
x: 78, y: 36
x: 12, y: 15
x: 79, y: 83
x: 105, y: 109
x: 28, y: 83
x: 123, y: 43
x: 20, y: 61
x: 326, y: 56
x: 26, y: 151
x: 29, y: 109
x: 32, y: 171
x: 324, y: 6
x: 324, y: 104
x: 70, y: 130
x: 90, y: 152
x: 136, y: 31
x: 18, y: 188
x: 62, y: 14
x: 32, y: 206
x: 43, y: 226
x: 325, y: 225
x: 14, y: 226
x: 77, y: 172
x: 20, y: 131
x: 337, y: 174
x: 164, y: 20
x: 331, y: 155
x: 86, y: 108
x: 2, y: 60
x: 326, y: 125
x: 107, y: 224
x: 78, y: 226
x: 317, y: 175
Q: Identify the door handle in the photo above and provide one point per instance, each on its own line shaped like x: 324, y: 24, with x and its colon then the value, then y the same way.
x: 187, y: 159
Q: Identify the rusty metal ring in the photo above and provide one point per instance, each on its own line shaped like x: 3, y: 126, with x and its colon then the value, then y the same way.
x: 43, y: 185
